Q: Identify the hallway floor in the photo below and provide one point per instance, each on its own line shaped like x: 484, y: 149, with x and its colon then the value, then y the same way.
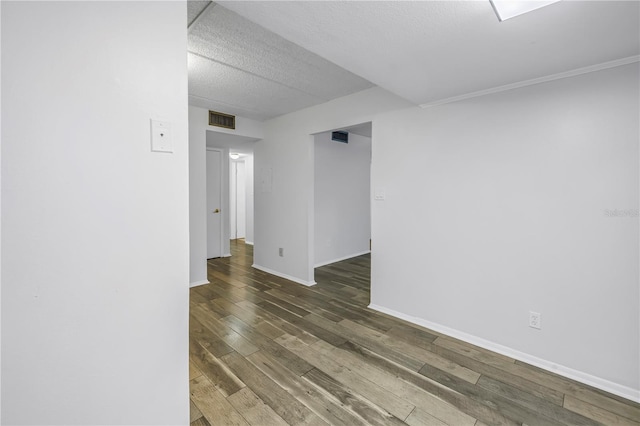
x: 267, y: 351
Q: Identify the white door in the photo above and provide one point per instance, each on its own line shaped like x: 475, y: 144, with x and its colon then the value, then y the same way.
x: 238, y: 200
x: 233, y: 215
x: 214, y: 203
x: 241, y: 201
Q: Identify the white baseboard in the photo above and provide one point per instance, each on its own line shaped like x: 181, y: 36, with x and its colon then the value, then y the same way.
x: 580, y: 376
x: 317, y: 265
x: 198, y: 283
x: 248, y: 242
x: 226, y: 255
x: 285, y: 276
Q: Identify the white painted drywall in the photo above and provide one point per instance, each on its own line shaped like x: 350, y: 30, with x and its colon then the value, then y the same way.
x: 283, y: 167
x: 95, y: 226
x: 494, y: 206
x: 342, y: 174
x: 497, y: 205
x: 197, y: 196
x: 198, y: 127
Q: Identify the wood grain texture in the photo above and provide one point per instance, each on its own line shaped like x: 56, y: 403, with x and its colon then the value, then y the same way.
x: 253, y: 409
x: 358, y: 383
x: 266, y: 351
x: 351, y: 400
x: 200, y: 422
x: 282, y: 402
x: 323, y: 404
x: 194, y: 412
x: 217, y: 373
x: 213, y: 405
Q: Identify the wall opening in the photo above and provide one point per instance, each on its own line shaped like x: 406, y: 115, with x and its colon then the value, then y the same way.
x: 341, y: 195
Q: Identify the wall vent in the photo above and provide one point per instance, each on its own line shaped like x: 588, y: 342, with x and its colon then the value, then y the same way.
x: 220, y: 119
x: 340, y: 137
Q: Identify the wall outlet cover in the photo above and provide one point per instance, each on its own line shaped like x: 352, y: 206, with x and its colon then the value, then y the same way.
x: 535, y: 320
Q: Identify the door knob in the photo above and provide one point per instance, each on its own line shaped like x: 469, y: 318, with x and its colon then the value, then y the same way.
x: 216, y: 211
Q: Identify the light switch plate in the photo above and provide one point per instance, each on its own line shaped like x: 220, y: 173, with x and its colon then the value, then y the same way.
x: 161, y: 140
x: 379, y: 195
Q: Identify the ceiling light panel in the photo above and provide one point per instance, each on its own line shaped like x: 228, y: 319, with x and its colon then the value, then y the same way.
x: 506, y: 9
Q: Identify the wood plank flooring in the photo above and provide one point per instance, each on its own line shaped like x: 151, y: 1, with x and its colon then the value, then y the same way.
x: 266, y: 351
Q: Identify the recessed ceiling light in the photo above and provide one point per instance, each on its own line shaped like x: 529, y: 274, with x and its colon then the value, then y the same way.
x: 506, y: 9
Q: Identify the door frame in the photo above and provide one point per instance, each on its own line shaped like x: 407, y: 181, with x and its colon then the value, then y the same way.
x: 222, y: 212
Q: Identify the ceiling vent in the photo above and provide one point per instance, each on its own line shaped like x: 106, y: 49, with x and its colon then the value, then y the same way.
x: 222, y: 120
x: 340, y: 137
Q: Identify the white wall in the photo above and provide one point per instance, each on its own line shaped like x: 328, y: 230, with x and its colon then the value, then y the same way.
x: 198, y: 123
x: 284, y: 179
x: 198, y: 127
x: 95, y: 226
x: 342, y: 206
x: 504, y: 198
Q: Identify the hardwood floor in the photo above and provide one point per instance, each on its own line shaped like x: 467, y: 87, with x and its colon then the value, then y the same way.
x: 267, y: 351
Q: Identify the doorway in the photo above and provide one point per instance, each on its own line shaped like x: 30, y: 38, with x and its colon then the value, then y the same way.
x: 214, y: 203
x: 233, y: 149
x: 342, y: 194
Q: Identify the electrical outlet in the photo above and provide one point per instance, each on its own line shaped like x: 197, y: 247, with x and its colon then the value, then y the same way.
x: 535, y: 320
x: 281, y: 252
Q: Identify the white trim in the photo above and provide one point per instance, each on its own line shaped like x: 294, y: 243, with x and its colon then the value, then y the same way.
x: 226, y: 255
x: 566, y: 74
x: 580, y: 376
x: 341, y: 259
x: 199, y: 283
x: 285, y: 276
x: 248, y: 242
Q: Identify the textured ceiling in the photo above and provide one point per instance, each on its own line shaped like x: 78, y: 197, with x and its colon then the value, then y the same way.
x: 429, y: 51
x: 194, y: 9
x: 238, y: 67
x: 255, y: 59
